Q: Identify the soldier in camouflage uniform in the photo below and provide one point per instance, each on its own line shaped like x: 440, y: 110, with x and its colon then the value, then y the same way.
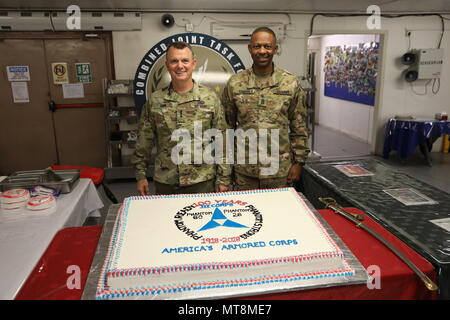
x: 183, y: 105
x: 267, y: 97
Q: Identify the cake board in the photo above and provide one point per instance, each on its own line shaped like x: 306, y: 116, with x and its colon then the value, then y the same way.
x: 359, y: 277
x: 415, y: 223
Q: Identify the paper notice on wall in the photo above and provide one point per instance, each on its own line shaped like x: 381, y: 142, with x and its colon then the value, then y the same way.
x: 20, y: 92
x: 18, y: 73
x: 73, y: 90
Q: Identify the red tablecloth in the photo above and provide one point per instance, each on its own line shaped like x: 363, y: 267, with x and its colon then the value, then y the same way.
x: 398, y: 281
x: 76, y: 246
x: 70, y: 247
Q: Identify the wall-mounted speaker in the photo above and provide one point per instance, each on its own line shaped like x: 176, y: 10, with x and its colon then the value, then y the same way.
x: 423, y: 64
x: 167, y: 20
x: 409, y: 58
x: 410, y: 75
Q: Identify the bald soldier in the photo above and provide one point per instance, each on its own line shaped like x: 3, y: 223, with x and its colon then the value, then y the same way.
x: 268, y: 97
x: 183, y: 107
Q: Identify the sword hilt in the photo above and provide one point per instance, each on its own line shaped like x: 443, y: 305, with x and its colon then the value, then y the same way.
x: 330, y: 203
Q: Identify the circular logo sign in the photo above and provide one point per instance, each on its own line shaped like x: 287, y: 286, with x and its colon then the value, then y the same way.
x: 59, y: 70
x: 216, y: 62
x: 219, y: 220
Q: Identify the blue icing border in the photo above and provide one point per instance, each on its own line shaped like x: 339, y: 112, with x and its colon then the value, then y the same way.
x: 186, y: 287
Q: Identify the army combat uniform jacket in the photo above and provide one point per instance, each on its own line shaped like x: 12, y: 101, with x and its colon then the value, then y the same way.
x: 276, y: 104
x: 166, y: 111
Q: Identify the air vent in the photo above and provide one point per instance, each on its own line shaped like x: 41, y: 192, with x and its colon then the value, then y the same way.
x: 25, y: 21
x: 97, y: 21
x: 242, y: 30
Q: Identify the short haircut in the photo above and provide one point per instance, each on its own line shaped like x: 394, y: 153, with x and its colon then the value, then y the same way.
x: 180, y: 45
x: 265, y: 29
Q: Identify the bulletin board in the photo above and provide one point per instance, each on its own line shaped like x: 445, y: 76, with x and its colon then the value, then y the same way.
x: 350, y: 72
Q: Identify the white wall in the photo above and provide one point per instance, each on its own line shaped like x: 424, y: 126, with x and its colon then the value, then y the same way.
x: 395, y: 96
x: 130, y: 47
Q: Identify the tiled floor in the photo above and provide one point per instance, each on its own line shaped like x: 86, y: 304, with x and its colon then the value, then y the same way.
x: 333, y: 144
x: 330, y: 145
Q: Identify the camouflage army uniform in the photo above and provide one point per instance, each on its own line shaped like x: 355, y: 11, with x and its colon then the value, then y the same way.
x: 167, y: 111
x: 276, y: 104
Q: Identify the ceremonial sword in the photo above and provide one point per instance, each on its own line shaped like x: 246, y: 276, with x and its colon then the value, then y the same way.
x: 330, y: 203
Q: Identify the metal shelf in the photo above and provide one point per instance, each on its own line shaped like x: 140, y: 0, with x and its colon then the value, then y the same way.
x: 113, y: 92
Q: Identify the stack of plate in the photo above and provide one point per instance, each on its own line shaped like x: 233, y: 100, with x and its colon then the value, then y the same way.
x: 41, y: 202
x: 14, y: 199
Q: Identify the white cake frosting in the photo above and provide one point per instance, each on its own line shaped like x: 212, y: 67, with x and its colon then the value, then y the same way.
x: 204, y: 245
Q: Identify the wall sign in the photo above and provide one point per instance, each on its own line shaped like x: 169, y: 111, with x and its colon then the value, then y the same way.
x: 18, y: 73
x: 216, y: 62
x: 83, y: 71
x: 73, y: 90
x: 60, y: 73
x: 20, y: 92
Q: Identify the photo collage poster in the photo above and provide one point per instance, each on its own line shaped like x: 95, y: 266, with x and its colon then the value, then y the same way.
x: 350, y: 72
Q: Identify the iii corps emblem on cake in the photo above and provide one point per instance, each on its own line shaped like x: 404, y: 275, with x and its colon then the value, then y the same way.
x: 219, y: 221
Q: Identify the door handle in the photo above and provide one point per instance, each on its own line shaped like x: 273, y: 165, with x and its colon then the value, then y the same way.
x: 52, y: 106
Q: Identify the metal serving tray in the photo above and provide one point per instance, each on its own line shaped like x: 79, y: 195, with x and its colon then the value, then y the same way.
x: 59, y: 180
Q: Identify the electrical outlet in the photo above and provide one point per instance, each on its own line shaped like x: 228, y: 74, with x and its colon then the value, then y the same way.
x: 291, y: 27
x: 189, y: 27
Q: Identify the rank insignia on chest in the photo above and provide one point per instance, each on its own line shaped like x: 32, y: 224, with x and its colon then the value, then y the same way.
x: 283, y: 92
x: 261, y: 101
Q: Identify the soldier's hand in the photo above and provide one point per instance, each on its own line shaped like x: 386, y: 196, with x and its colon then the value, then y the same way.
x: 294, y: 173
x: 142, y: 187
x: 221, y: 188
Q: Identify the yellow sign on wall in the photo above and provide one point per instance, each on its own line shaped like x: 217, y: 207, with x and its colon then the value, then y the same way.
x: 60, y: 72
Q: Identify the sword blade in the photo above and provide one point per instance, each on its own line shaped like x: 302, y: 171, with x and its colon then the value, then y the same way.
x: 330, y: 203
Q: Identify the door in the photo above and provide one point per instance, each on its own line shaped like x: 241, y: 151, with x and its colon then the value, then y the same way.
x: 33, y: 136
x: 27, y: 138
x: 79, y: 122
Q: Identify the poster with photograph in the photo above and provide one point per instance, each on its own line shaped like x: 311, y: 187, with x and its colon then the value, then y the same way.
x: 350, y: 72
x: 353, y: 170
x: 409, y: 197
